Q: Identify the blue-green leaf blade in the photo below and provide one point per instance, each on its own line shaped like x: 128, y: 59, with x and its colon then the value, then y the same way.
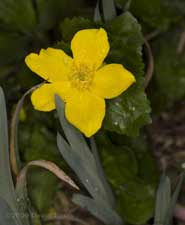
x: 169, y: 213
x: 7, y: 190
x: 86, y: 175
x: 109, y: 9
x: 98, y: 209
x: 163, y: 199
x: 7, y: 216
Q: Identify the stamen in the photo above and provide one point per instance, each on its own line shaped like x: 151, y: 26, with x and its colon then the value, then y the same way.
x: 81, y: 76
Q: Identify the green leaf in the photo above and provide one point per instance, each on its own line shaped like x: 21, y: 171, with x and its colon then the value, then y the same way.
x: 33, y: 143
x: 33, y: 136
x: 169, y: 74
x: 12, y: 47
x: 68, y: 27
x: 51, y: 12
x: 159, y: 14
x: 7, y: 190
x: 26, y: 78
x: 116, y: 162
x: 130, y: 111
x: 126, y: 41
x: 127, y: 113
x: 136, y: 201
x: 65, y: 46
x: 149, y: 175
x: 132, y: 177
x: 42, y: 186
x: 18, y: 15
x: 144, y: 160
x: 71, y: 25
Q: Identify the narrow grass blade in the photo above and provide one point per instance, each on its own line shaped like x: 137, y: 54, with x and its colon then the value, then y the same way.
x: 127, y: 5
x: 163, y: 199
x: 109, y: 9
x: 6, y: 183
x: 97, y: 14
x: 169, y: 214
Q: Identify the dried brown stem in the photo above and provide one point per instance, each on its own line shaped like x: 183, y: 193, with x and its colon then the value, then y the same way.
x: 150, y: 66
x: 152, y: 35
x: 48, y: 166
x: 181, y: 43
x: 14, y: 156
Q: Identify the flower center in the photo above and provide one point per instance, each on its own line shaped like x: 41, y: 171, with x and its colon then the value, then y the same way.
x: 81, y: 76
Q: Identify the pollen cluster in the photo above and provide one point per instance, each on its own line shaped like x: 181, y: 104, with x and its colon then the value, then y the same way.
x: 81, y: 76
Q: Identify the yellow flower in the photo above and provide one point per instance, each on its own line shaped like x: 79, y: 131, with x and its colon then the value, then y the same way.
x: 83, y: 81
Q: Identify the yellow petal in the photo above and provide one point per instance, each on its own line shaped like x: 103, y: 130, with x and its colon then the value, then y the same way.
x: 111, y: 80
x: 86, y: 112
x: 64, y: 90
x: 43, y: 98
x: 90, y: 47
x: 51, y: 64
